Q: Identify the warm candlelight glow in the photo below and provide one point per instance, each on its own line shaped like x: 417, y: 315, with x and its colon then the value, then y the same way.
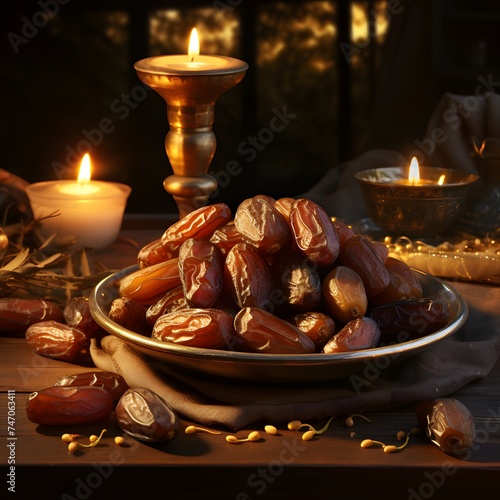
x: 441, y: 179
x: 88, y: 211
x: 83, y: 185
x: 414, y: 175
x: 84, y: 172
x: 194, y: 43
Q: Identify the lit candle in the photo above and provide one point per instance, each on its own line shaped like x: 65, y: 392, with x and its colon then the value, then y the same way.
x: 190, y: 84
x: 191, y: 63
x: 414, y: 178
x: 84, y: 211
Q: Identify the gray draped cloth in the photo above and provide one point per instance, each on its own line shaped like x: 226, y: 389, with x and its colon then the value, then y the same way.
x: 438, y: 371
x: 448, y: 142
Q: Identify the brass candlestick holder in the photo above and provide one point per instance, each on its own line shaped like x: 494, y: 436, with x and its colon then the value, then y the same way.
x: 190, y: 85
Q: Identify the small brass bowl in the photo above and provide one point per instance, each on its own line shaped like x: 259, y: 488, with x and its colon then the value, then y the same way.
x: 426, y: 209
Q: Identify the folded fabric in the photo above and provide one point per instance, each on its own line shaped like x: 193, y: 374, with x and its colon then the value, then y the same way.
x: 435, y: 372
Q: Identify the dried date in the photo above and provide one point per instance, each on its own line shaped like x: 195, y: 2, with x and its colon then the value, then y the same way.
x: 17, y: 314
x: 147, y: 417
x: 207, y: 328
x: 361, y: 333
x: 59, y: 341
x: 344, y: 294
x: 131, y: 315
x: 284, y: 207
x: 410, y: 319
x: 225, y: 237
x: 381, y: 250
x: 77, y: 314
x: 58, y: 405
x: 344, y: 232
x: 298, y: 280
x: 319, y: 327
x: 358, y: 254
x: 112, y: 382
x: 201, y: 266
x: 399, y: 267
x: 259, y: 331
x: 173, y: 300
x: 153, y: 253
x: 247, y: 277
x: 148, y: 285
x: 262, y: 226
x: 448, y: 423
x: 314, y: 233
x: 200, y: 223
x: 398, y: 289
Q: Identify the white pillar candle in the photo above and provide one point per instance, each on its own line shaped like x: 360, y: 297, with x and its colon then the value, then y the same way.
x: 87, y: 212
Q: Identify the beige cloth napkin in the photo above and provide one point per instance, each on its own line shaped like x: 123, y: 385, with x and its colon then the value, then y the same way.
x: 438, y: 371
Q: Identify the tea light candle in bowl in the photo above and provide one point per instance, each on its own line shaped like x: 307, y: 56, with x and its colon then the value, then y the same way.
x: 425, y: 203
x: 84, y: 211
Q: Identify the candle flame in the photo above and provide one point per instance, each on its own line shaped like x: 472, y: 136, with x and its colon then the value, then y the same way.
x: 84, y: 172
x: 414, y: 175
x: 194, y: 43
x: 441, y: 179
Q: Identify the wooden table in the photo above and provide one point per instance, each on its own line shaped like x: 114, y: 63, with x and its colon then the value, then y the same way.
x: 205, y: 466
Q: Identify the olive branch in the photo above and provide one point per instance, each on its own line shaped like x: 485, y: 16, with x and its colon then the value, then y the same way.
x: 48, y: 271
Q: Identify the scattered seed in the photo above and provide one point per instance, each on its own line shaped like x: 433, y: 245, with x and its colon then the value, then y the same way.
x: 294, y: 425
x: 366, y: 443
x: 253, y: 436
x: 68, y: 438
x: 119, y: 440
x: 191, y: 429
x: 308, y: 435
x: 270, y: 429
x: 390, y: 448
x: 73, y: 446
x: 349, y: 421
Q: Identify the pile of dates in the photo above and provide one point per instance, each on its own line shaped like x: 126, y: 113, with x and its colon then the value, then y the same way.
x: 279, y: 277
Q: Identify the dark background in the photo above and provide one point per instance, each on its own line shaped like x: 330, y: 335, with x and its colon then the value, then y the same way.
x: 356, y: 75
